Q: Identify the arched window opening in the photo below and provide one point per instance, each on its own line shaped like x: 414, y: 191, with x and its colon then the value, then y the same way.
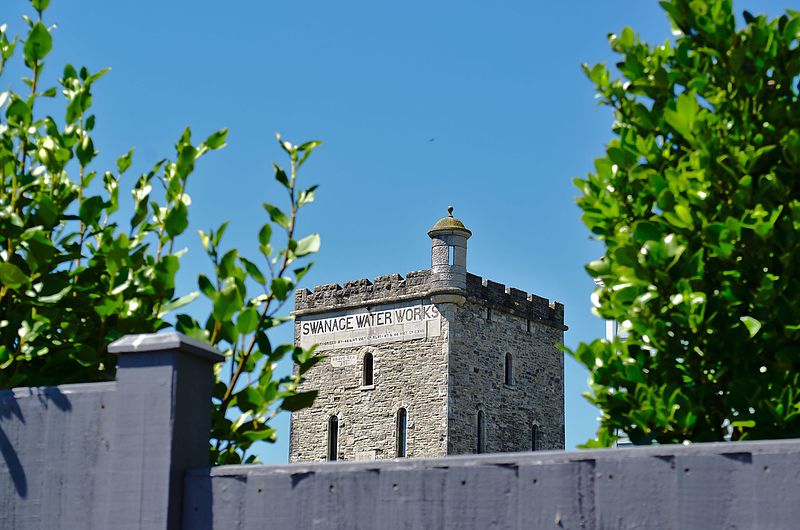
x: 509, y: 373
x: 333, y: 438
x: 534, y: 437
x: 402, y: 428
x: 481, y: 445
x: 368, y: 379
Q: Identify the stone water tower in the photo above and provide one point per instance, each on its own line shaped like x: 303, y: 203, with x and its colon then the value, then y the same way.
x: 436, y: 363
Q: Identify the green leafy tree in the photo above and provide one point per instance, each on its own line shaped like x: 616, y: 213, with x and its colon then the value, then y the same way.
x: 698, y: 205
x: 74, y: 276
x: 246, y: 392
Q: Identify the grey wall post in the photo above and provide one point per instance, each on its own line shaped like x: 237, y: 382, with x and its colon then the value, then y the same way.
x: 163, y: 416
x: 96, y: 456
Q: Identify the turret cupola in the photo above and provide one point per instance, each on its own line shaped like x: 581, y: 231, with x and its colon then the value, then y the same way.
x: 449, y: 255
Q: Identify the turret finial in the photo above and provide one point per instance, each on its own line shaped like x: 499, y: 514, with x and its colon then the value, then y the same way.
x: 449, y: 222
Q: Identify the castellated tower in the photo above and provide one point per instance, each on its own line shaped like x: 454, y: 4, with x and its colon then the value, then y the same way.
x: 437, y: 363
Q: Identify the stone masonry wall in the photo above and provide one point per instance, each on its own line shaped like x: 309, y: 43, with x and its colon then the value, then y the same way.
x: 477, y: 371
x: 410, y: 374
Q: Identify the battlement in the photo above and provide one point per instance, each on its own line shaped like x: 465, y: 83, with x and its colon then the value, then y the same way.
x: 417, y: 284
x: 530, y: 305
x: 381, y: 289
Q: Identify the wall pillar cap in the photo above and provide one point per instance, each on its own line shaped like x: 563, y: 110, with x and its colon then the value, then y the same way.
x: 156, y: 342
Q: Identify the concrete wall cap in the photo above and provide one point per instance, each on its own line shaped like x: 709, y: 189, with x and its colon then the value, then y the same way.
x: 152, y: 342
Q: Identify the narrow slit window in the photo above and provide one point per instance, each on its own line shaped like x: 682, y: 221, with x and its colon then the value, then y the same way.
x: 333, y: 438
x: 488, y: 314
x: 481, y: 428
x: 534, y: 437
x: 451, y: 255
x: 369, y: 370
x: 509, y: 372
x: 402, y: 428
x: 529, y: 325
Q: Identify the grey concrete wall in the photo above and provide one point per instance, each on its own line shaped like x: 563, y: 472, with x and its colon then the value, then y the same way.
x: 55, y: 458
x: 108, y: 455
x: 129, y: 454
x: 750, y: 485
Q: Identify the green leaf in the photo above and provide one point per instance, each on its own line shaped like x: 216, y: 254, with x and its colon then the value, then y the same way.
x: 177, y: 220
x: 217, y: 236
x: 249, y: 399
x: 48, y: 213
x: 97, y: 75
x: 627, y: 37
x: 647, y: 231
x: 247, y: 321
x: 682, y: 119
x: 11, y: 276
x: 165, y: 271
x: 753, y: 325
x: 38, y: 45
x: 307, y: 196
x: 124, y: 162
x: 281, y: 287
x: 190, y: 327
x: 280, y: 176
x: 307, y: 365
x: 185, y: 163
x: 290, y: 149
x: 217, y: 139
x: 309, y: 146
x: 277, y: 215
x: 69, y: 73
x: 306, y: 149
x: 91, y: 209
x: 205, y: 285
x: 205, y: 239
x: 227, y: 302
x: 265, y: 234
x: 55, y: 297
x: 299, y: 273
x: 299, y: 401
x: 227, y: 264
x: 307, y: 245
x: 253, y: 271
x: 18, y: 112
x: 177, y: 303
x: 85, y: 150
x: 40, y: 5
x: 268, y: 434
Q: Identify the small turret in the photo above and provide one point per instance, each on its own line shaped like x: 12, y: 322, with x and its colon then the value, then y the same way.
x: 449, y: 258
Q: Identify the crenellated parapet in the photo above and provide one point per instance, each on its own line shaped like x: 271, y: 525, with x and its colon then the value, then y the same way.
x: 381, y: 289
x: 515, y: 301
x: 391, y: 288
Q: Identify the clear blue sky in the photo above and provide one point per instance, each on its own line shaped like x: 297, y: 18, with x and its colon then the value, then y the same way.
x: 419, y: 104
